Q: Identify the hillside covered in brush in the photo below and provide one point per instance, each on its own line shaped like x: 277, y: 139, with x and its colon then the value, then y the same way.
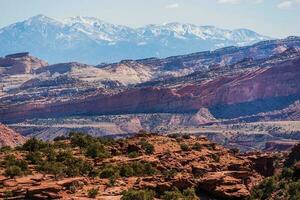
x: 143, y: 167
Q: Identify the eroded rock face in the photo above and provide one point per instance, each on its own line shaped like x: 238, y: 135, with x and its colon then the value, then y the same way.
x: 8, y: 137
x: 281, y: 80
x: 21, y: 63
x: 264, y: 164
x: 294, y: 155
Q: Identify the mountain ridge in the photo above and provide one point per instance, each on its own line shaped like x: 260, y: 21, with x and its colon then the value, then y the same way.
x: 91, y: 40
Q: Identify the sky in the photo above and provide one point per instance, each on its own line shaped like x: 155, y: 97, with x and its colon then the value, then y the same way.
x: 275, y: 18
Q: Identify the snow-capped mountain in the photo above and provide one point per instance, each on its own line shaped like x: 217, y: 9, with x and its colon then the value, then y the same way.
x: 91, y: 40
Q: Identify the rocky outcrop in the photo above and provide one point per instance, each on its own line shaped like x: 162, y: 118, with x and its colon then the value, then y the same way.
x: 264, y: 164
x: 21, y: 63
x: 294, y: 156
x: 8, y: 137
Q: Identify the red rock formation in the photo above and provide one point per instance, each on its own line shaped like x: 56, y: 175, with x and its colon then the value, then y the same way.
x: 8, y: 137
x: 268, y: 82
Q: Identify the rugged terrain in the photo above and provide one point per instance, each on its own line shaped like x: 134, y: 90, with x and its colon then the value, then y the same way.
x: 9, y: 137
x: 203, y: 93
x: 141, y: 167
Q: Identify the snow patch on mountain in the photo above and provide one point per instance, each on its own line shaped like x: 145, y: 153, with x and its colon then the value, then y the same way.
x: 91, y: 40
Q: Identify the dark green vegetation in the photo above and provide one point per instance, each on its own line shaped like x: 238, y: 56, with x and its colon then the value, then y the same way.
x: 284, y: 185
x: 138, y: 195
x: 14, y: 167
x: 175, y: 194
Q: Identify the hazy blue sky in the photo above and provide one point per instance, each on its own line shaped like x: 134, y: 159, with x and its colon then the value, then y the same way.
x: 277, y: 18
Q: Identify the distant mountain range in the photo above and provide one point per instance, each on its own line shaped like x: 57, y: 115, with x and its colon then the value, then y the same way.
x: 90, y: 40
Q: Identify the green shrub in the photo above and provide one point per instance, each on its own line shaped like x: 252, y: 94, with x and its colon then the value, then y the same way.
x: 138, y: 195
x: 14, y: 167
x: 141, y: 169
x: 172, y: 195
x: 34, y: 157
x: 287, y: 173
x: 126, y: 171
x: 8, y: 194
x: 216, y: 157
x: 55, y: 168
x: 34, y: 144
x: 92, y: 193
x: 64, y: 156
x: 184, y: 147
x: 133, y: 154
x: 149, y: 148
x: 197, y: 146
x: 109, y: 171
x: 264, y: 189
x: 169, y: 173
x: 5, y: 149
x: 80, y: 140
x: 13, y: 171
x: 60, y: 138
x: 77, y: 167
x: 190, y: 194
x: 96, y: 150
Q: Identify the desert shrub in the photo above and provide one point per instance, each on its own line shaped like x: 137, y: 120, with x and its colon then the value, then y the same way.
x: 94, y: 172
x: 50, y: 154
x: 60, y: 138
x: 126, y: 171
x: 34, y: 144
x: 264, y: 189
x: 169, y: 173
x: 14, y: 167
x: 215, y: 157
x: 188, y: 194
x: 77, y: 167
x: 34, y: 157
x: 137, y: 169
x: 141, y: 169
x: 55, y: 168
x: 81, y: 140
x: 64, y: 156
x: 197, y: 146
x: 5, y: 149
x: 96, y: 150
x: 172, y: 195
x: 109, y: 171
x: 143, y: 133
x: 186, y: 136
x: 92, y: 193
x: 149, y: 148
x: 294, y: 190
x: 287, y: 173
x: 8, y: 194
x: 138, y: 195
x: 184, y: 147
x: 106, y: 141
x: 13, y: 171
x: 64, y: 163
x: 133, y: 154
